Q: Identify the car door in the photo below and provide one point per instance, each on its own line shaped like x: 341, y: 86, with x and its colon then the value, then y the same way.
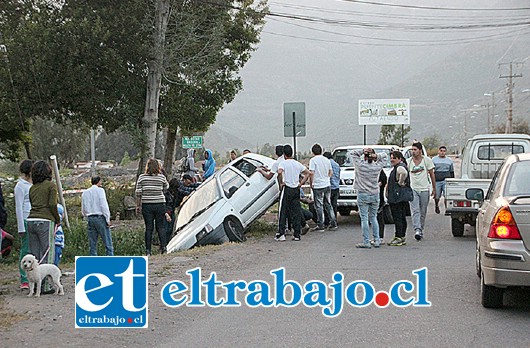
x: 517, y: 189
x: 487, y: 210
x: 263, y: 191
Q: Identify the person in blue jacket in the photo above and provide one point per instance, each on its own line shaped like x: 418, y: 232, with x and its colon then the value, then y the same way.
x: 209, y: 164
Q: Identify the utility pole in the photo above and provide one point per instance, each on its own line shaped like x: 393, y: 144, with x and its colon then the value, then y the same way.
x: 491, y: 112
x: 509, y: 91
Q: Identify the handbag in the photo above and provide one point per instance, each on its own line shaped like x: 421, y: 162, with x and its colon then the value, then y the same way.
x: 404, y: 194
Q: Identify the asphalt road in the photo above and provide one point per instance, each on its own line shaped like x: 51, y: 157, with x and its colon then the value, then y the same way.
x: 456, y: 317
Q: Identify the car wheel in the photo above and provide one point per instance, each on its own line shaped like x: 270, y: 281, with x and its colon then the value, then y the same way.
x: 491, y: 296
x: 234, y: 231
x: 344, y: 212
x: 457, y: 228
x: 387, y: 215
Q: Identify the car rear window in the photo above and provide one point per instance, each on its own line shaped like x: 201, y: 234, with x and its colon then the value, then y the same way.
x: 498, y: 151
x: 517, y: 182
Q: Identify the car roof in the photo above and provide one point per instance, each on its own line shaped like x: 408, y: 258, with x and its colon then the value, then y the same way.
x: 501, y: 136
x: 520, y: 157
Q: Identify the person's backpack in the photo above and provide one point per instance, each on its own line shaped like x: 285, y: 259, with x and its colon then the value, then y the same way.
x: 183, y: 165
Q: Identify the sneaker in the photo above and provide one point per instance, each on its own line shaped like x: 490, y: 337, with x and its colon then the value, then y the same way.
x: 377, y: 244
x: 363, y: 246
x: 304, y: 230
x: 280, y: 238
x: 24, y: 286
x: 296, y: 239
x: 397, y: 242
x: 418, y: 235
x: 317, y: 229
x: 333, y: 227
x: 437, y: 209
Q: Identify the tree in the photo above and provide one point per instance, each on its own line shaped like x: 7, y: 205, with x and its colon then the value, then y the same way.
x: 519, y: 126
x: 206, y: 45
x: 393, y: 135
x: 431, y: 144
x: 67, y: 141
x: 82, y: 62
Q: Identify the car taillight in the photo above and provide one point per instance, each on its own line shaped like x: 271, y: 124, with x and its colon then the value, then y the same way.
x: 503, y: 225
x: 462, y: 203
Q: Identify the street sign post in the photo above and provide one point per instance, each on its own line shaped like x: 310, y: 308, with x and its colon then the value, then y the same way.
x: 294, y: 121
x: 194, y: 142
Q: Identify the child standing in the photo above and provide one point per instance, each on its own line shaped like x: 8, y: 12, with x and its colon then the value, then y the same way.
x: 59, y: 237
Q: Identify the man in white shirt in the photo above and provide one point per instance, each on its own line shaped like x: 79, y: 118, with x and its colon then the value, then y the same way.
x: 289, y: 172
x: 421, y: 179
x: 320, y: 174
x: 95, y: 208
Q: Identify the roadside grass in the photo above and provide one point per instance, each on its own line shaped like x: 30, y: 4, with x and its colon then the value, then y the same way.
x: 261, y: 229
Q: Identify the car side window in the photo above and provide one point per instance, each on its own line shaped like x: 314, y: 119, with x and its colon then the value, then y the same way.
x: 493, y: 183
x: 517, y: 182
x: 245, y: 167
x: 231, y: 182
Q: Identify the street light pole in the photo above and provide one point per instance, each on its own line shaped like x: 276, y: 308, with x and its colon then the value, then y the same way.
x: 492, y: 112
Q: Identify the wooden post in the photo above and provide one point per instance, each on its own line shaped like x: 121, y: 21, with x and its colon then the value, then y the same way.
x: 55, y: 169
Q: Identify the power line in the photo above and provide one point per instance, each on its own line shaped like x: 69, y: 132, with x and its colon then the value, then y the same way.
x: 459, y: 40
x: 393, y: 15
x: 434, y: 7
x: 411, y: 44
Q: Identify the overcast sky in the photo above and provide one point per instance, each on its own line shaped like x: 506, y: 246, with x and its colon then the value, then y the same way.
x: 330, y: 53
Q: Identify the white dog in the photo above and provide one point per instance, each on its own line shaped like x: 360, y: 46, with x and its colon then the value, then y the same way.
x: 36, y: 273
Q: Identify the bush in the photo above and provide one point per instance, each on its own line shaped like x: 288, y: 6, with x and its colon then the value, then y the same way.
x: 127, y: 239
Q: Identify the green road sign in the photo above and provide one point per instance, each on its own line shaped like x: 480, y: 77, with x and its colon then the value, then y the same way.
x: 194, y: 142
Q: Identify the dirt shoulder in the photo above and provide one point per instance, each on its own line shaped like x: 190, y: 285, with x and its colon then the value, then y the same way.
x: 23, y: 319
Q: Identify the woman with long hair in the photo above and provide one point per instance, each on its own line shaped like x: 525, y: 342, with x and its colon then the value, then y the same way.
x: 150, y: 201
x: 43, y: 216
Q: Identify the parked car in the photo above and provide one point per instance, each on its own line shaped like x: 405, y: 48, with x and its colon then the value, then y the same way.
x: 503, y: 230
x: 222, y: 207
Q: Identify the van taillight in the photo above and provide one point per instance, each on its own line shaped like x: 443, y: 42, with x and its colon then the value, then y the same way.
x: 503, y: 225
x: 462, y: 204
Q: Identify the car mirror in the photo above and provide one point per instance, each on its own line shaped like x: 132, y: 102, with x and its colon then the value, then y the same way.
x: 475, y: 194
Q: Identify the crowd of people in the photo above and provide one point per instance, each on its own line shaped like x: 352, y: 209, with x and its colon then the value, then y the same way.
x: 39, y: 216
x: 410, y: 185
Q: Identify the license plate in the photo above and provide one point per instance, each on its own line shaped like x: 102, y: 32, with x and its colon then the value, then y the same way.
x: 347, y: 192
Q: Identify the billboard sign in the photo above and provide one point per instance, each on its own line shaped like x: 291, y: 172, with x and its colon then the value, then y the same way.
x: 384, y: 111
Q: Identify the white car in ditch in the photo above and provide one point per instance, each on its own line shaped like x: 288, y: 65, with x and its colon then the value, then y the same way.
x: 222, y: 207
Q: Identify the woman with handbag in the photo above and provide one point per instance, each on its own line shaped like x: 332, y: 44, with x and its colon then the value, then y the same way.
x: 399, y: 194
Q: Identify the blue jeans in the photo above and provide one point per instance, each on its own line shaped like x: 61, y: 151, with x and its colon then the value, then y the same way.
x: 368, y: 205
x: 97, y: 226
x: 322, y: 199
